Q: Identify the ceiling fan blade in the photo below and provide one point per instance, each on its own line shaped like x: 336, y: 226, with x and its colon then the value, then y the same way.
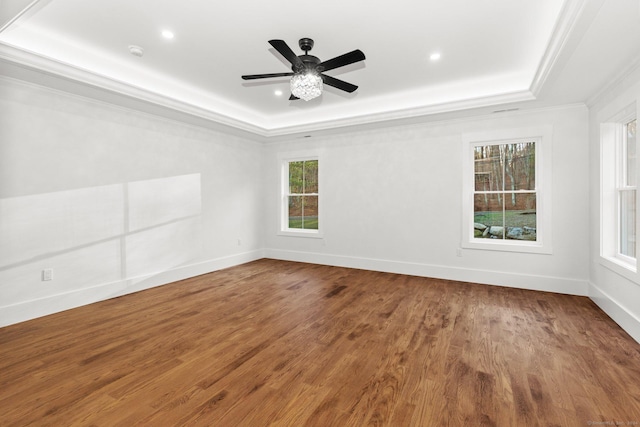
x: 337, y: 83
x: 342, y: 60
x: 265, y: 76
x: 293, y: 98
x: 284, y: 49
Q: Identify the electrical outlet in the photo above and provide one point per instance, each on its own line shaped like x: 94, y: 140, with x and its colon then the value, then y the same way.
x: 459, y: 252
x: 239, y: 242
x: 47, y: 274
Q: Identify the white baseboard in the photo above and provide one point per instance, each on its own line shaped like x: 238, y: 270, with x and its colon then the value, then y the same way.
x: 627, y: 320
x: 41, y: 307
x: 53, y: 304
x: 498, y: 278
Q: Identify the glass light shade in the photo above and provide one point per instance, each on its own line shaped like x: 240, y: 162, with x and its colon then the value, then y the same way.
x: 306, y: 86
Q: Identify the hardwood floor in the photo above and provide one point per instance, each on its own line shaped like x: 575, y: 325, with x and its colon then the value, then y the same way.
x: 274, y: 343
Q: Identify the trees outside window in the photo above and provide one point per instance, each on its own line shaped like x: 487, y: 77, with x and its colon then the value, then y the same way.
x: 505, y: 194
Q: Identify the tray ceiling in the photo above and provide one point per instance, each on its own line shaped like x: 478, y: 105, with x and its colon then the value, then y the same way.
x: 502, y: 52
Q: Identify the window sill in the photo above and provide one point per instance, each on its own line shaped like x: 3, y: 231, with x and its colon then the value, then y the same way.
x: 312, y: 234
x: 508, y: 246
x: 618, y: 266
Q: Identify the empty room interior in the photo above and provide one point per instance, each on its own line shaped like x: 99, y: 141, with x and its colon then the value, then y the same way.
x: 416, y: 213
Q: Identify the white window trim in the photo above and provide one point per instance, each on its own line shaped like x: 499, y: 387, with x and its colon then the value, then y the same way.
x: 283, y: 229
x: 621, y: 171
x: 542, y: 136
x: 611, y: 147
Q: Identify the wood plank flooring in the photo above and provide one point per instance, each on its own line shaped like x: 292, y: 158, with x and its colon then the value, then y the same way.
x: 274, y: 343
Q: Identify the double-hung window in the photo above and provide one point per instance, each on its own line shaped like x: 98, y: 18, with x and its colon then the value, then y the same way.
x: 300, y: 197
x: 626, y: 192
x: 618, y: 147
x: 507, y: 191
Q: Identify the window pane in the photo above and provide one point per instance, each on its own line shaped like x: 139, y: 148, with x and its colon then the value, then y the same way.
x: 488, y: 216
x: 628, y: 223
x: 310, y: 176
x: 303, y: 212
x: 488, y: 168
x: 519, y: 166
x: 295, y: 177
x: 295, y: 212
x: 520, y: 216
x: 310, y: 212
x: 630, y: 131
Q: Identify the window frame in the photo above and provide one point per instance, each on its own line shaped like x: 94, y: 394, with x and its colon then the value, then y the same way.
x: 283, y: 226
x: 541, y: 136
x: 612, y: 179
x: 623, y: 186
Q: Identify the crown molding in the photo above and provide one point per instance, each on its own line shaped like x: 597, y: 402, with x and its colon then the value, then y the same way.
x: 436, y: 120
x: 51, y: 67
x: 565, y: 28
x: 8, y: 15
x: 50, y: 72
x: 618, y: 80
x: 392, y: 117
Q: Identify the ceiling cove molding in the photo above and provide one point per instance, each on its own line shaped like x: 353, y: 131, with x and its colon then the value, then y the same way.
x: 59, y: 69
x: 173, y: 116
x: 8, y: 14
x: 477, y: 117
x: 616, y: 81
x: 571, y: 11
x: 406, y: 114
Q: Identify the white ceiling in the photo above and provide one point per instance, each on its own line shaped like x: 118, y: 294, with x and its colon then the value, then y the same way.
x: 495, y: 54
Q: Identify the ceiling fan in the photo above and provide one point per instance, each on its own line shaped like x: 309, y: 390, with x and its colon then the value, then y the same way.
x: 307, y: 76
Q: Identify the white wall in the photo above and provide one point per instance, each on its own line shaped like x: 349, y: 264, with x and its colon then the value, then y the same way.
x: 114, y: 201
x: 615, y: 290
x: 392, y: 201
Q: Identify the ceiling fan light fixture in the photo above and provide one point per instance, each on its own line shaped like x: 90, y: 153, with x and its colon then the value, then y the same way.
x: 307, y: 85
x: 307, y: 76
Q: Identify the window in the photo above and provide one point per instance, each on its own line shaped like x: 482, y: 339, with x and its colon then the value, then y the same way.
x: 618, y: 147
x: 626, y: 192
x: 507, y: 187
x: 300, y: 199
x: 505, y: 194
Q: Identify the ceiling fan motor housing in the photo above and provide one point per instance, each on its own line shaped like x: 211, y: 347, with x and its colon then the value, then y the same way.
x: 310, y: 64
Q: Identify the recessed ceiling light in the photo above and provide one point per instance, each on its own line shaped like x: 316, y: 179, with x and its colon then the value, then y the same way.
x: 167, y: 34
x: 278, y: 92
x: 434, y: 56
